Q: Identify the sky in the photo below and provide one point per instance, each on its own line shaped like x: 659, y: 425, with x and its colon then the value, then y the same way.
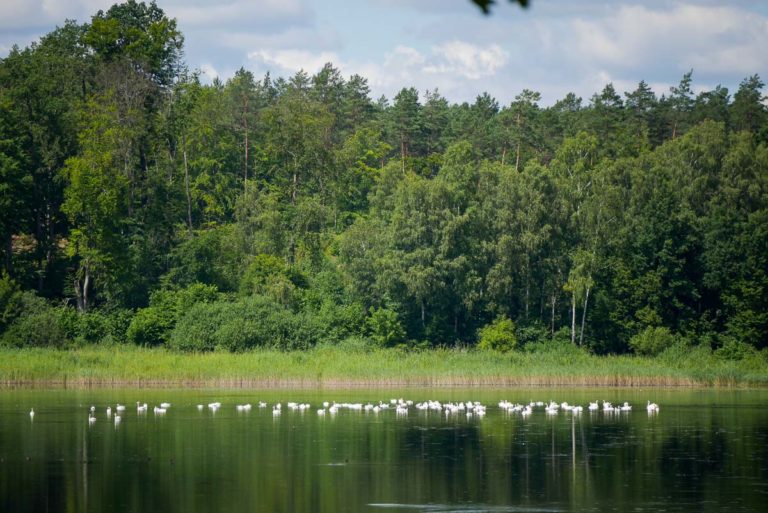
x: 554, y: 47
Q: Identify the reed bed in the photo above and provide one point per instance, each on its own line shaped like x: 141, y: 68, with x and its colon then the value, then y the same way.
x: 343, y: 366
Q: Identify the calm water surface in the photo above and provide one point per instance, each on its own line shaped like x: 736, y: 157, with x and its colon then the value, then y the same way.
x: 704, y: 451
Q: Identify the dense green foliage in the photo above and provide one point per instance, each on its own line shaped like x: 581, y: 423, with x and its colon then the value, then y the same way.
x: 146, y: 206
x: 499, y: 335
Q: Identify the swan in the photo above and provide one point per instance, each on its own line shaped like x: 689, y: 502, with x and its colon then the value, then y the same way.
x: 109, y: 411
x: 120, y: 407
x: 626, y: 407
x: 652, y: 407
x: 165, y: 405
x: 32, y: 413
x: 593, y: 406
x: 91, y: 418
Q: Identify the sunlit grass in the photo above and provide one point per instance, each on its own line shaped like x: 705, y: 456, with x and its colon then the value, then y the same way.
x: 330, y: 365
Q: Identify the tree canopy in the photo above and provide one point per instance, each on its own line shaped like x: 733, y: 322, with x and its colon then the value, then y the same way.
x: 134, y: 193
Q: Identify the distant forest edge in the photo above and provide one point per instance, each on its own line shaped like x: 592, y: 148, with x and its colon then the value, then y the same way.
x: 139, y: 205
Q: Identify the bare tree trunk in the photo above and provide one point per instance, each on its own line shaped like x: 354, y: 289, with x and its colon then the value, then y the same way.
x: 552, y: 322
x: 86, y: 286
x: 9, y: 254
x: 573, y: 319
x: 245, y: 141
x: 245, y: 170
x: 78, y: 294
x: 583, y: 317
x: 519, y: 140
x: 503, y: 154
x: 186, y: 184
x: 527, y: 296
x: 403, y: 152
x: 295, y: 187
x: 40, y: 234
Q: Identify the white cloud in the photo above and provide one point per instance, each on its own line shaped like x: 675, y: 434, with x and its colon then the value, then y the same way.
x: 269, y: 15
x: 446, y: 66
x: 553, y: 47
x: 708, y: 38
x: 24, y: 14
x: 468, y: 60
x: 294, y: 60
x: 209, y: 71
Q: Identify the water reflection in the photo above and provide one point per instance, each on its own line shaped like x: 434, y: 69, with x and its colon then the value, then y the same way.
x: 705, y: 451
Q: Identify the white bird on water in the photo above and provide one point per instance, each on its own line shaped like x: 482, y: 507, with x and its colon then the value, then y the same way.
x: 32, y: 413
x: 652, y: 407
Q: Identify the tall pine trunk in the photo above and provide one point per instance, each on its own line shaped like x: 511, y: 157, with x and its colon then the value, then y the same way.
x: 573, y: 319
x: 186, y: 185
x: 583, y: 317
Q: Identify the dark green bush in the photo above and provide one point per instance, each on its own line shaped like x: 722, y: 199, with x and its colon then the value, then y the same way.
x: 652, y: 341
x: 10, y: 301
x: 498, y: 335
x: 384, y: 327
x: 338, y: 322
x: 531, y: 334
x: 735, y: 350
x: 40, y: 324
x: 153, y: 325
x: 237, y: 326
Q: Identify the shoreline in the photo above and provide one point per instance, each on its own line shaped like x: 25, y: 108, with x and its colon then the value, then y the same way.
x: 345, y: 367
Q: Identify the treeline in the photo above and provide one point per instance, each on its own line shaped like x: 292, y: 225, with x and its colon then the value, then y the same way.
x: 138, y: 204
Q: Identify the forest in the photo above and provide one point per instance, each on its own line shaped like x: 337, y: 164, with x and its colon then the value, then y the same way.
x: 141, y: 205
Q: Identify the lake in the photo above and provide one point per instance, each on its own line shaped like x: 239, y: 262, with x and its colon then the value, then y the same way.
x: 705, y: 450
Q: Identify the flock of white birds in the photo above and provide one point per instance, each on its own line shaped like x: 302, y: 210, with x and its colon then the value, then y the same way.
x: 401, y: 408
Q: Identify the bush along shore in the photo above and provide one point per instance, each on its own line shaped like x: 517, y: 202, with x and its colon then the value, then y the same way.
x: 355, y: 363
x: 626, y: 233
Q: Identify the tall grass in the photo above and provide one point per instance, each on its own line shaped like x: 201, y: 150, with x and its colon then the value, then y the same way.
x: 353, y: 365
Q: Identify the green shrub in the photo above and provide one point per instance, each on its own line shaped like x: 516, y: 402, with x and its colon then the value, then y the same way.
x: 40, y: 324
x: 385, y: 328
x: 735, y: 350
x: 150, y: 326
x: 531, y: 334
x: 10, y: 301
x: 211, y: 256
x: 241, y: 325
x: 498, y: 335
x: 338, y: 322
x: 153, y: 325
x: 652, y: 341
x: 100, y: 326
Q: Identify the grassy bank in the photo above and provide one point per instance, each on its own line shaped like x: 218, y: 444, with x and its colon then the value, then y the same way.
x: 130, y: 365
